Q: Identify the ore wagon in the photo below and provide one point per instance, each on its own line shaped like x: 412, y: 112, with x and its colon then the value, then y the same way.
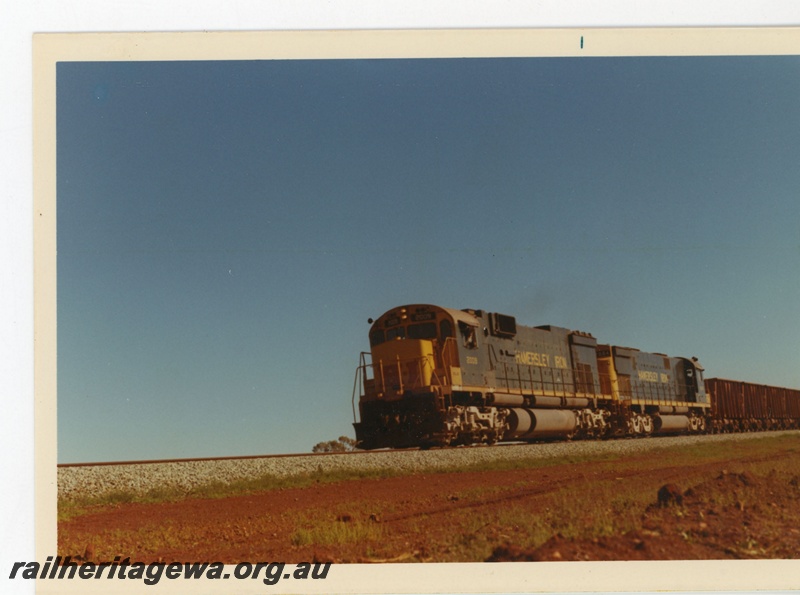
x: 742, y: 406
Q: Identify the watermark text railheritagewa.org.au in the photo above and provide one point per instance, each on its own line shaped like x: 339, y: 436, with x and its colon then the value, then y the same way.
x: 122, y: 569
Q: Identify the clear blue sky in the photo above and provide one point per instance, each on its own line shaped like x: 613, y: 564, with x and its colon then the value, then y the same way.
x: 225, y: 229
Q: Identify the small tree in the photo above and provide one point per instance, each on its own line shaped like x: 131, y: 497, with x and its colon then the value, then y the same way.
x: 343, y: 444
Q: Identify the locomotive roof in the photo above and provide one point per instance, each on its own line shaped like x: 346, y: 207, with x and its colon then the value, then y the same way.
x: 457, y: 315
x: 462, y: 316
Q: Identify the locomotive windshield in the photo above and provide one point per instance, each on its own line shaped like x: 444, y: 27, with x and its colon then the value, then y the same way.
x: 424, y: 330
x: 396, y: 333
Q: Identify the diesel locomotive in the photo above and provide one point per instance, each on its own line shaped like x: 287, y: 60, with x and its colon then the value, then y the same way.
x: 438, y: 376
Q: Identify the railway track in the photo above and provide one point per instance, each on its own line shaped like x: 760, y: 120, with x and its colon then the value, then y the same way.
x: 365, y: 452
x: 233, y: 458
x: 279, y: 456
x: 187, y: 475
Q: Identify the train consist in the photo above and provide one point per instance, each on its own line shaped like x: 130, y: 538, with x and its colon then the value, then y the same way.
x: 438, y: 377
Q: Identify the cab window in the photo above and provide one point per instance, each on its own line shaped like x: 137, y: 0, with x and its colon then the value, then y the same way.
x: 377, y: 337
x: 445, y: 329
x: 396, y: 333
x: 469, y: 335
x: 426, y: 330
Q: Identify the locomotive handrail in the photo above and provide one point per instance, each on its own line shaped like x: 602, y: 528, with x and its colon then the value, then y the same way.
x: 492, y: 357
x: 381, y: 366
x: 557, y: 384
x: 655, y: 394
x: 447, y: 349
x: 356, y: 386
x: 359, y: 381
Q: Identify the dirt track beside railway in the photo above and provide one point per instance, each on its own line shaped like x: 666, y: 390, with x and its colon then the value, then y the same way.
x: 740, y: 501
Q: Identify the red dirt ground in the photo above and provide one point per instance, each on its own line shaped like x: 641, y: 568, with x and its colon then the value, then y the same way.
x: 459, y: 517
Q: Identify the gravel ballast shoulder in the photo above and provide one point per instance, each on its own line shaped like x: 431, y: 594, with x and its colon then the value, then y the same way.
x: 98, y: 480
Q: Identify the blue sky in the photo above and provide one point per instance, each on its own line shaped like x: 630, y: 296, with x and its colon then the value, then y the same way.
x: 225, y: 229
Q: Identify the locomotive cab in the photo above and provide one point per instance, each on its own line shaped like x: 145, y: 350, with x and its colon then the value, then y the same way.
x: 407, y: 379
x: 414, y: 350
x: 693, y: 382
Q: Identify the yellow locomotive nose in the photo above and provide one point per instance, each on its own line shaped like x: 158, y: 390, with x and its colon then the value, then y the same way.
x: 403, y: 365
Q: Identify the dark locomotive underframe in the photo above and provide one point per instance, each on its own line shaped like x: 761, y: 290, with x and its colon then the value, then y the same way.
x: 441, y: 377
